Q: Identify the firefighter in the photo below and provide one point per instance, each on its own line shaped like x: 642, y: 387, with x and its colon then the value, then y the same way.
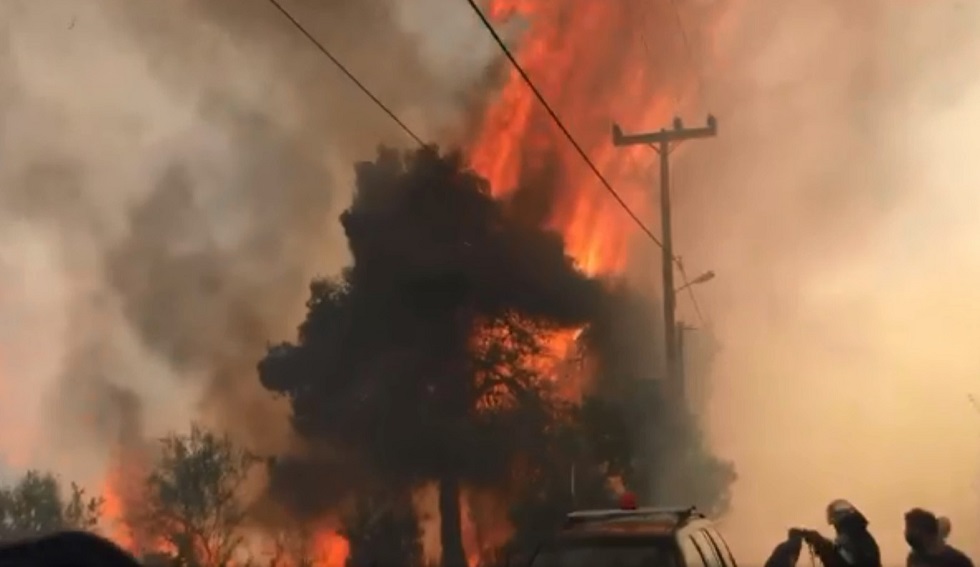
x: 852, y: 546
x: 928, y: 547
x: 786, y: 553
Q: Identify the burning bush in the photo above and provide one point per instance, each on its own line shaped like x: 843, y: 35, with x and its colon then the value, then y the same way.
x: 191, y: 503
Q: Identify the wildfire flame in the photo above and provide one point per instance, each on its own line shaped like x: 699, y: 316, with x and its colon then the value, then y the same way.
x: 574, y: 52
x: 114, y: 514
x: 330, y: 549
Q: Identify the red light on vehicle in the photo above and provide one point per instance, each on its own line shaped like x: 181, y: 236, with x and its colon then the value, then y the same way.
x: 627, y: 501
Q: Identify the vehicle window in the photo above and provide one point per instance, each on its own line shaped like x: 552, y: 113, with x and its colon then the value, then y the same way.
x: 692, y: 555
x: 607, y: 553
x: 722, y: 546
x: 711, y: 557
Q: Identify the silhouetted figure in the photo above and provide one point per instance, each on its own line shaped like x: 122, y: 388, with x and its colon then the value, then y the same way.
x: 924, y: 535
x: 853, y: 545
x: 65, y: 549
x: 786, y: 553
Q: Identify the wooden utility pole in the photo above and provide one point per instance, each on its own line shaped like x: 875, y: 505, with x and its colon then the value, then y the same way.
x: 664, y: 143
x: 682, y: 366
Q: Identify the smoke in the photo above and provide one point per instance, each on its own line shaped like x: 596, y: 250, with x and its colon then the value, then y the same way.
x: 170, y: 177
x: 837, y: 207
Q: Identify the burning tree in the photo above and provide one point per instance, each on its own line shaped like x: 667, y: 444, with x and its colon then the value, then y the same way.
x: 432, y: 359
x: 36, y: 505
x: 423, y: 361
x: 192, y: 497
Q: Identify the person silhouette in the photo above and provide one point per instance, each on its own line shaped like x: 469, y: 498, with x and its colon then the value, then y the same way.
x: 65, y: 549
x: 927, y: 547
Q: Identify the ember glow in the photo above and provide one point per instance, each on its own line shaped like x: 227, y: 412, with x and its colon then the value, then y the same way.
x: 330, y: 549
x: 114, y: 514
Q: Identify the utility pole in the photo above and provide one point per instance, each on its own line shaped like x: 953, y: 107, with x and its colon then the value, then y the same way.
x: 682, y: 328
x: 681, y: 361
x: 664, y: 142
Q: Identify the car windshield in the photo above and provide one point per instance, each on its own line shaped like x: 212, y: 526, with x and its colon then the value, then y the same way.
x: 607, y: 552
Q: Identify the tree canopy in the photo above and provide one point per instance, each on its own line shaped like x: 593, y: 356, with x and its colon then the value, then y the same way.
x: 37, y: 504
x: 425, y: 360
x: 192, y: 499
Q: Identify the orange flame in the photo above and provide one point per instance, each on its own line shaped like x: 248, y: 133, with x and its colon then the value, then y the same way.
x: 592, y: 63
x: 489, y: 531
x: 330, y: 549
x: 574, y: 53
x: 114, y: 515
x: 120, y: 488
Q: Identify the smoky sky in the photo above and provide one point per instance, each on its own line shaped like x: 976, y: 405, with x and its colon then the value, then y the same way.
x: 187, y: 191
x: 178, y: 170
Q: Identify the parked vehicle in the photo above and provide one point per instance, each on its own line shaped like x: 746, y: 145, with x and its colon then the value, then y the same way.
x: 635, y: 537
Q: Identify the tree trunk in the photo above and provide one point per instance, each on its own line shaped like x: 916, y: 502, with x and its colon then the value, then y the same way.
x: 450, y: 525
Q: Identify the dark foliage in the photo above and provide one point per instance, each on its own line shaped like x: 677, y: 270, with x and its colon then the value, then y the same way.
x: 418, y: 363
x: 383, y: 529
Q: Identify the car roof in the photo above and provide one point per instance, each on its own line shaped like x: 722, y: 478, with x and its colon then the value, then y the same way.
x: 640, y: 521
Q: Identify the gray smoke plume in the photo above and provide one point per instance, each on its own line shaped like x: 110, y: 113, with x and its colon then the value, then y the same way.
x: 170, y: 177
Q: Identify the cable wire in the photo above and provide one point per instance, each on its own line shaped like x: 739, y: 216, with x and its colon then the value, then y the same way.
x: 700, y: 95
x: 685, y: 39
x: 343, y: 69
x: 561, y: 126
x: 585, y: 157
x: 527, y: 79
x: 682, y: 29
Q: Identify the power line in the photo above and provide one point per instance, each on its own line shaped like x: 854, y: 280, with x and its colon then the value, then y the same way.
x: 700, y: 85
x: 644, y: 19
x: 558, y: 122
x: 343, y: 69
x: 571, y: 139
x: 685, y: 39
x: 527, y: 79
x: 682, y: 29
